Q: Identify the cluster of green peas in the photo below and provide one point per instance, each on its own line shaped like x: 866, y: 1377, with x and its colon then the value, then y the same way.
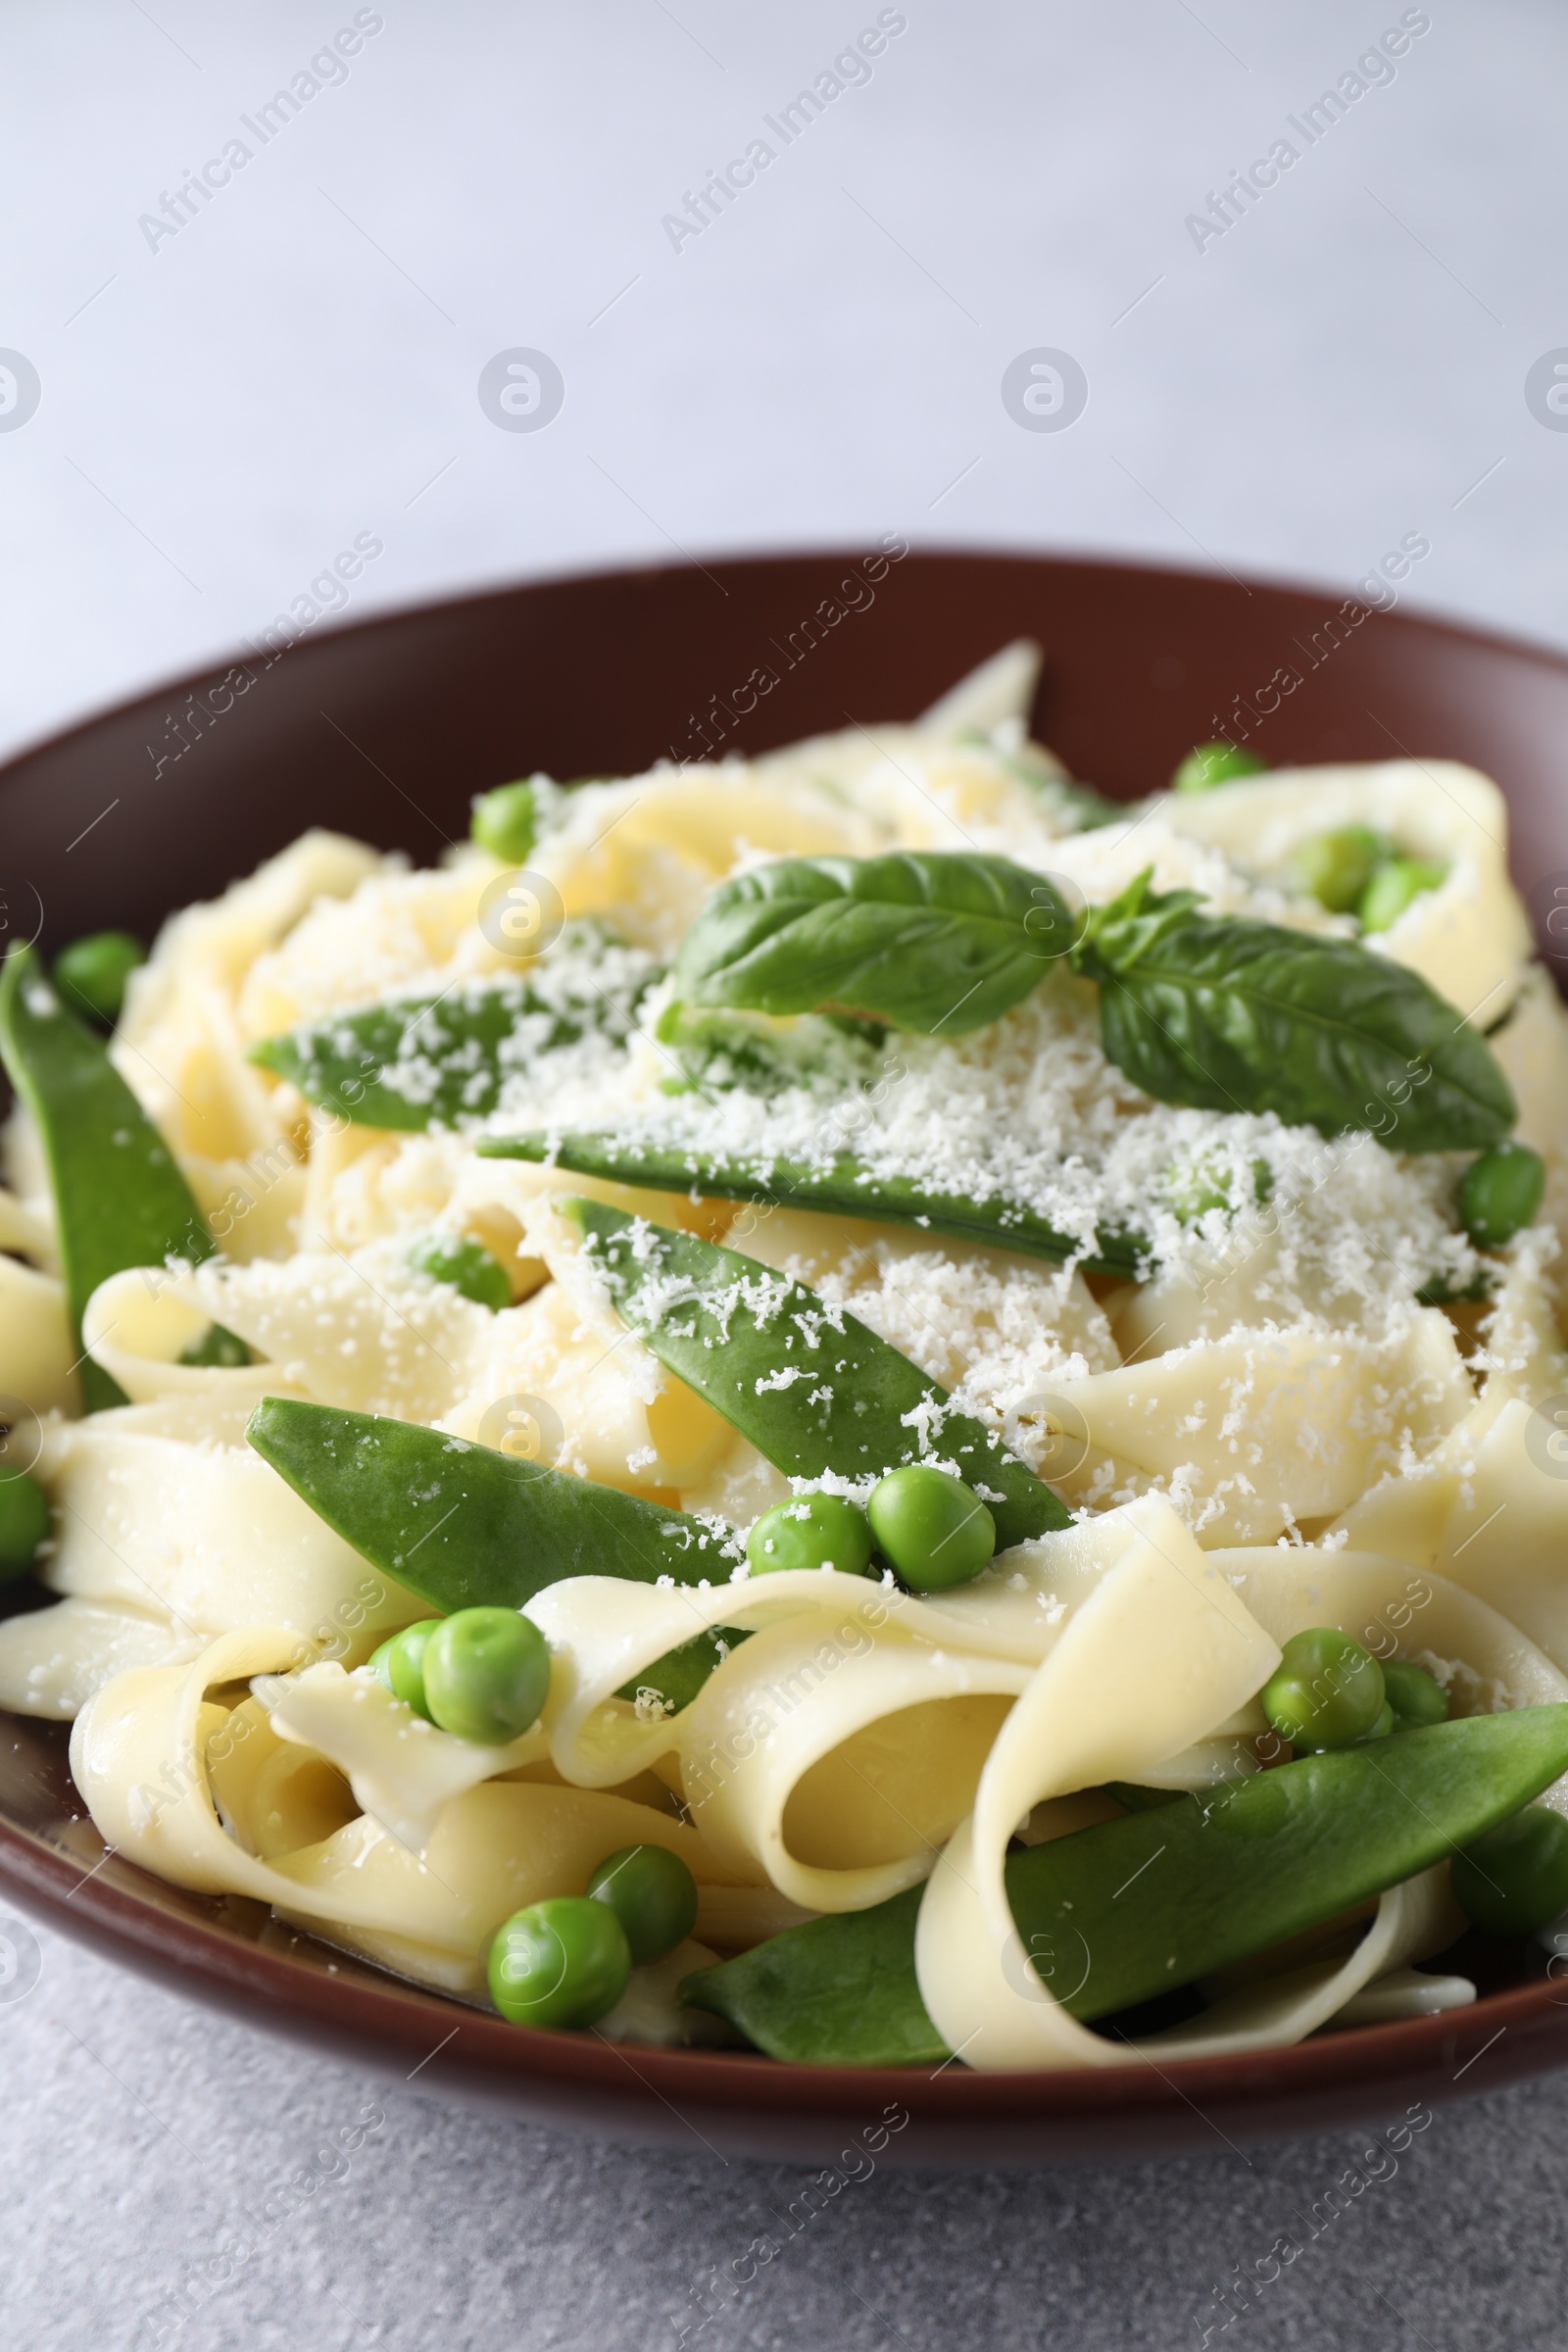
x: 931, y: 1529
x: 1330, y: 1692
x: 1350, y: 870
x: 483, y: 1674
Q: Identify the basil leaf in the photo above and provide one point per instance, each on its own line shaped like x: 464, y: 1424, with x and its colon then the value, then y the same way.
x: 808, y: 1385
x: 845, y: 1188
x: 438, y: 1059
x: 932, y: 942
x: 1118, y: 1913
x: 1226, y: 1014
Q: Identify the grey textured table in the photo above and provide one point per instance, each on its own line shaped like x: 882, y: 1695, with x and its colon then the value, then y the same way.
x: 224, y: 400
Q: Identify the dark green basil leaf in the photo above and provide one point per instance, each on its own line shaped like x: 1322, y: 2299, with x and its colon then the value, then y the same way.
x: 1231, y: 1014
x: 845, y: 1188
x: 431, y: 1060
x: 932, y: 942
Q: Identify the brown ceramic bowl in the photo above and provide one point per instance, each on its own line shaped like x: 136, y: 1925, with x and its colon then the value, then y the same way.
x: 386, y: 731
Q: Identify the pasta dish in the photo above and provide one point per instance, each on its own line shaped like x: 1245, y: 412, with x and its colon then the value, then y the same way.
x: 856, y: 1404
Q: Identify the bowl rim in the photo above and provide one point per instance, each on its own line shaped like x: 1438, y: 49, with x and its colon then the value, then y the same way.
x: 1423, y: 619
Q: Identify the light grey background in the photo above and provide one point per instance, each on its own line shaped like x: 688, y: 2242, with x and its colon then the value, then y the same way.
x: 222, y: 410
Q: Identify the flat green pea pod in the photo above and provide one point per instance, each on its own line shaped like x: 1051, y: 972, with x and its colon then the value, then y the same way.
x: 1139, y: 1906
x: 846, y: 1188
x: 812, y: 1390
x: 439, y: 1060
x: 466, y: 1527
x: 119, y: 1199
x: 1514, y: 1879
x: 23, y: 1523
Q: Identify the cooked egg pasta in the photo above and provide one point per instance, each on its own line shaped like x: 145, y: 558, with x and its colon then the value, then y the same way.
x: 1325, y: 1401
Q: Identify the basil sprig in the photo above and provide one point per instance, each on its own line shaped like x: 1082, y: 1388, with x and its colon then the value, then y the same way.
x: 1217, y: 1012
x: 1226, y: 1014
x: 933, y: 942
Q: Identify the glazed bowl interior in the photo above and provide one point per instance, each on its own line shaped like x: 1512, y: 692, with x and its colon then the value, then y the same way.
x: 385, y: 731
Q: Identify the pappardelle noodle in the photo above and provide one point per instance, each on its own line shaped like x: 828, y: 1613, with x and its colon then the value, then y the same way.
x: 856, y: 1404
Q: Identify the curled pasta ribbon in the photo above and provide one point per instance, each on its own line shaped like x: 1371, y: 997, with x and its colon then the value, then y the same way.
x: 832, y: 1659
x: 201, y: 1790
x: 1133, y: 1654
x: 169, y: 1531
x: 1469, y: 937
x: 1162, y: 1653
x: 836, y: 1750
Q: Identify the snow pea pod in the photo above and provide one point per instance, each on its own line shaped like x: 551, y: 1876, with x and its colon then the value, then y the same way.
x: 466, y: 1527
x: 119, y: 1199
x: 847, y: 1188
x: 438, y: 1059
x: 814, y: 1390
x: 1131, y: 1908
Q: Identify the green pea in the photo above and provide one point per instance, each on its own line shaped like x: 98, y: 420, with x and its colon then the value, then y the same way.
x: 400, y: 1664
x: 487, y: 1674
x: 1195, y: 1186
x: 225, y: 1349
x: 1326, y: 1691
x: 1335, y: 867
x: 23, y: 1523
x: 1383, y: 1726
x: 1212, y: 764
x: 931, y: 1527
x: 1513, y: 1878
x: 1501, y: 1194
x: 652, y: 1893
x: 1393, y: 887
x: 562, y: 1962
x: 468, y: 1266
x: 1416, y: 1697
x: 812, y: 1531
x: 91, y: 974
x: 503, y: 821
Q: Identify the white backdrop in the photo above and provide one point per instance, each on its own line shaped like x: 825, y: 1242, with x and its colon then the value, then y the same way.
x: 224, y: 405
